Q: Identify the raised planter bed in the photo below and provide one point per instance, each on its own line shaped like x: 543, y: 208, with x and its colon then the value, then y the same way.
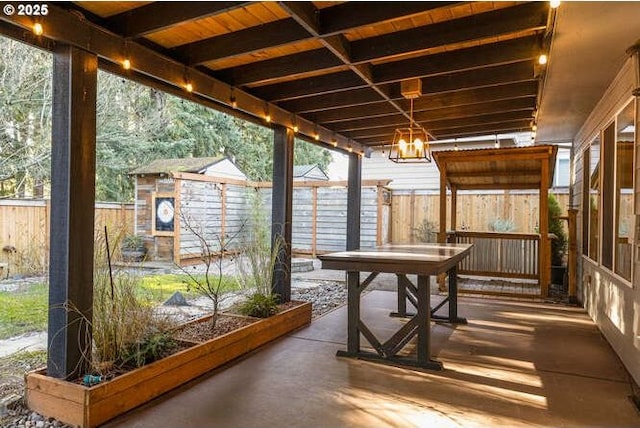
x: 84, y: 406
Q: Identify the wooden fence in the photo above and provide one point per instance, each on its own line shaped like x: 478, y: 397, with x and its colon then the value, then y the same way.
x: 24, y: 231
x: 414, y: 213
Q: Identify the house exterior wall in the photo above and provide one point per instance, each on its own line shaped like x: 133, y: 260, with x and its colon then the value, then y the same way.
x: 225, y: 168
x: 612, y: 301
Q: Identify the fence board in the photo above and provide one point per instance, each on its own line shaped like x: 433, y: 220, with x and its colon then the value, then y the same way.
x: 24, y: 225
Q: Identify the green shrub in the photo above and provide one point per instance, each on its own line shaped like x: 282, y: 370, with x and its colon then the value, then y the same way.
x: 260, y: 305
x: 558, y: 245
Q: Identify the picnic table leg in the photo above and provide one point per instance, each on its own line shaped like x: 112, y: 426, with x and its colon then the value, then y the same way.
x: 453, y: 297
x: 402, y: 298
x: 424, y: 326
x: 353, y: 308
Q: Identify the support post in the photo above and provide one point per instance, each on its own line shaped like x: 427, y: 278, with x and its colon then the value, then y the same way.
x: 572, y: 262
x: 545, y: 243
x: 454, y: 208
x: 73, y: 171
x: 442, y: 235
x: 282, y: 210
x: 354, y: 197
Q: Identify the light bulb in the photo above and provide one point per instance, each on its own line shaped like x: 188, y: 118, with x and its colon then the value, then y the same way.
x: 295, y: 128
x: 554, y: 3
x: 317, y: 136
x: 418, y: 144
x: 126, y: 64
x: 189, y: 87
x: 37, y: 29
x: 267, y: 118
x: 402, y: 145
x: 542, y: 59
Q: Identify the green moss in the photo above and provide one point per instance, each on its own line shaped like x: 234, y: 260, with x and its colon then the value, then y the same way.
x: 23, y: 310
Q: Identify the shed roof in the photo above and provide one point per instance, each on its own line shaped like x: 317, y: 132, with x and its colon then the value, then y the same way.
x: 165, y: 166
x: 503, y: 168
x: 312, y: 171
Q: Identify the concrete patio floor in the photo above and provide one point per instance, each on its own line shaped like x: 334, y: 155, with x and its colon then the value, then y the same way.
x: 514, y: 364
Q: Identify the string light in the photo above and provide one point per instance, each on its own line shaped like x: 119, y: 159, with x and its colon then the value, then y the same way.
x: 267, y: 115
x: 232, y: 99
x: 554, y: 3
x: 126, y: 64
x: 295, y: 124
x: 38, y: 30
x: 542, y: 59
x: 189, y: 87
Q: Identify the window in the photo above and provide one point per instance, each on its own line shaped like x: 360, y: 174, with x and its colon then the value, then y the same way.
x: 606, y: 203
x: 623, y: 224
x: 591, y: 199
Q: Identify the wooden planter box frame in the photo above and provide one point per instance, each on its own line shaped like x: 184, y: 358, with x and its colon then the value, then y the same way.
x: 84, y: 406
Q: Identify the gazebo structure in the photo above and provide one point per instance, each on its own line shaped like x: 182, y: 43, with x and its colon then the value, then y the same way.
x: 517, y: 255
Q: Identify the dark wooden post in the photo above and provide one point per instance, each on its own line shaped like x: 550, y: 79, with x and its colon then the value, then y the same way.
x: 545, y: 242
x: 354, y: 197
x: 73, y: 170
x: 282, y: 209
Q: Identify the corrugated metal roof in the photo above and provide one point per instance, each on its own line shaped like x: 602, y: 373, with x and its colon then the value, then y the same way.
x: 166, y: 166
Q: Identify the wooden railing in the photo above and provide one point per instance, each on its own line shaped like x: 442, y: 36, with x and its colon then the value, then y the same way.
x: 508, y: 255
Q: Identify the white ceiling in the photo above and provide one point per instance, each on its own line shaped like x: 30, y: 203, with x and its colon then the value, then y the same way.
x: 587, y: 51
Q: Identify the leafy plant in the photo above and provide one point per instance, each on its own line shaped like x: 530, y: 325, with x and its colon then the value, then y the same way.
x: 502, y: 225
x: 132, y: 242
x: 559, y: 244
x: 122, y: 317
x: 260, y: 305
x: 151, y: 348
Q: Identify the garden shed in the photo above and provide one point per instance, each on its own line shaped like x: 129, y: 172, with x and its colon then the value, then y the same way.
x: 309, y: 172
x: 158, y: 208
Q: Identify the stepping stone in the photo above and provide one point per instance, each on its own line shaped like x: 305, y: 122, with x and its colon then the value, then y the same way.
x: 301, y: 265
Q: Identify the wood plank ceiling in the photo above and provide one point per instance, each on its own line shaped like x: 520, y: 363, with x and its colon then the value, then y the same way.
x: 339, y: 64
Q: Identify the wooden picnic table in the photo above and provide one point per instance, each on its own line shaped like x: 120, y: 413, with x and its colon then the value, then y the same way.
x: 422, y: 260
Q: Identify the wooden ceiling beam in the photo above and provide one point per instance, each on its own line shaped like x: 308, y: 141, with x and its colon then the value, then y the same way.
x: 531, y: 16
x: 242, y: 42
x: 262, y: 72
x: 456, y: 112
x: 161, y: 15
x: 347, y: 16
x: 321, y: 102
x: 523, y: 105
x: 458, y: 84
x: 332, y: 82
x: 312, y: 107
x: 492, y: 128
x: 439, y: 125
x: 521, y: 49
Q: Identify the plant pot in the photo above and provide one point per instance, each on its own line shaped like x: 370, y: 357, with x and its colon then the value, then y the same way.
x: 84, y: 406
x: 133, y: 254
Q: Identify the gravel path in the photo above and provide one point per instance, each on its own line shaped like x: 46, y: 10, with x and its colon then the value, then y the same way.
x: 324, y: 295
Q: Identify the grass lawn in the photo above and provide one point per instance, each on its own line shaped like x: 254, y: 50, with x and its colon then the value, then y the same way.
x: 25, y: 310
x: 160, y: 287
